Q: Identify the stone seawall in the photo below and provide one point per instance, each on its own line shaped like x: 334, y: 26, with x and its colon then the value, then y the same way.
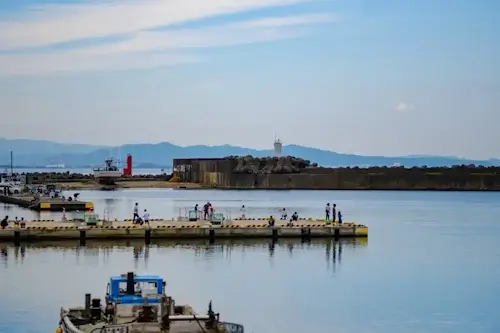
x: 352, y: 179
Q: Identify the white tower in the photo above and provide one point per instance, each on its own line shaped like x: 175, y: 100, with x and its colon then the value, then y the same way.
x: 277, y: 147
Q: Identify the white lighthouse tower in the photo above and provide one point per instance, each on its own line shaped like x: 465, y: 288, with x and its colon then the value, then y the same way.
x: 278, y: 145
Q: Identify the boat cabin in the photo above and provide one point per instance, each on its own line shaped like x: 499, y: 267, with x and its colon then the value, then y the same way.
x: 135, y: 289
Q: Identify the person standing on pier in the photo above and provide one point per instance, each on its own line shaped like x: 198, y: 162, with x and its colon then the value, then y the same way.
x: 205, y: 210
x: 212, y: 209
x: 340, y: 217
x: 334, y: 212
x: 197, y: 212
x: 327, y: 212
x: 136, y: 212
x: 243, y: 212
x: 146, y: 216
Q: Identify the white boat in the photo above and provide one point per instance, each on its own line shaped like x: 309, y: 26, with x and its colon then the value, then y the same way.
x: 15, y: 186
x: 110, y: 170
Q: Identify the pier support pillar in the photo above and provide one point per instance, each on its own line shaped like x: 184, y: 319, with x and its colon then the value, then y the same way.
x: 305, y: 233
x: 147, y: 236
x: 211, y: 235
x: 275, y: 234
x: 336, y: 233
x: 17, y: 238
x: 83, y: 237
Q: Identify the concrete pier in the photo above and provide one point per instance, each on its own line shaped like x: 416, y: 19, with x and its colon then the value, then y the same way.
x: 161, y: 229
x: 46, y: 204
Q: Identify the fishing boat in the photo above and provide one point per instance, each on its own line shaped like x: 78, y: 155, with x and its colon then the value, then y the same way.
x: 139, y: 304
x: 110, y: 170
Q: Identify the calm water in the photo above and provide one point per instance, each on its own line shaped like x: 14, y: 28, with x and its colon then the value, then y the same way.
x: 431, y: 265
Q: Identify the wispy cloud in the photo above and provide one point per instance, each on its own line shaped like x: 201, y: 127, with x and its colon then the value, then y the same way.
x: 50, y: 24
x: 292, y: 20
x: 47, y: 25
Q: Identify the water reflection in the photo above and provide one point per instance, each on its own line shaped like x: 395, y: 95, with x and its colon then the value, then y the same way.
x: 95, y: 250
x: 110, y: 207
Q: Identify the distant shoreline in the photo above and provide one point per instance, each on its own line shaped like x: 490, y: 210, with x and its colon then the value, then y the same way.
x: 162, y: 184
x: 126, y: 184
x: 70, y: 168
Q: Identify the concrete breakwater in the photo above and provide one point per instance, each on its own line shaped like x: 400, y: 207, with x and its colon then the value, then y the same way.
x: 160, y: 229
x: 291, y: 173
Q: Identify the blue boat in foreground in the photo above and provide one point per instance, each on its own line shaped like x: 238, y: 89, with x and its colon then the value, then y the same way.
x: 139, y: 304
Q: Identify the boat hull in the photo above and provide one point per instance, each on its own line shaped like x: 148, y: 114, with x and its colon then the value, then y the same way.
x: 107, y: 174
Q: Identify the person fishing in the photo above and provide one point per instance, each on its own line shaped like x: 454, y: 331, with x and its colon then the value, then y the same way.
x: 5, y: 222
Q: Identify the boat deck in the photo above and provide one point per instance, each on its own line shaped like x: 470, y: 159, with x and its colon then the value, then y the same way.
x: 126, y: 314
x: 175, y: 327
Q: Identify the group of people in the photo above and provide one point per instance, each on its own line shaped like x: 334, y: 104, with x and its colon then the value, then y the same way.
x: 331, y: 213
x: 138, y: 219
x: 5, y: 221
x: 207, y: 211
x: 295, y: 217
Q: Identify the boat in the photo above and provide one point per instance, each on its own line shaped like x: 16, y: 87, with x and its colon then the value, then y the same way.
x: 11, y: 184
x: 139, y: 304
x: 110, y: 170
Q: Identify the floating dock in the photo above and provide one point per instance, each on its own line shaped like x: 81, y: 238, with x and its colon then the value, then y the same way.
x: 161, y: 229
x: 47, y: 204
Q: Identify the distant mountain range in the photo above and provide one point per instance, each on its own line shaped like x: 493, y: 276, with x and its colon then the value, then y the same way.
x: 37, y: 153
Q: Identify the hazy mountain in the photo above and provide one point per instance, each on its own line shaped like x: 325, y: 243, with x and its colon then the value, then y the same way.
x: 40, y: 153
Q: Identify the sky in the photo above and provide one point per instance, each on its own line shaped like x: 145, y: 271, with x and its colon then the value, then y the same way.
x: 372, y: 77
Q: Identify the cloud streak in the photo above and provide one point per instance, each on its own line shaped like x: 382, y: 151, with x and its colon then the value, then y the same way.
x: 139, y: 47
x: 51, y: 24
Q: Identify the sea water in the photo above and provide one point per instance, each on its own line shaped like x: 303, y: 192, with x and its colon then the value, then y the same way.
x: 431, y: 264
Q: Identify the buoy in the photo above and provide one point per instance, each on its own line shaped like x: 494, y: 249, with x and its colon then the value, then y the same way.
x: 59, y: 330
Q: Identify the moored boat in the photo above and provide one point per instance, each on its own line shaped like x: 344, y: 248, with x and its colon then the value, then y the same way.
x: 139, y: 304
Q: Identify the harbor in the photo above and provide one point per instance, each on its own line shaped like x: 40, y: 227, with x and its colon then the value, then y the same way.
x: 404, y: 229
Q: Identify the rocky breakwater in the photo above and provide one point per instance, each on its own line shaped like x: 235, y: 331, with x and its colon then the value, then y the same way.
x: 69, y: 177
x: 270, y: 165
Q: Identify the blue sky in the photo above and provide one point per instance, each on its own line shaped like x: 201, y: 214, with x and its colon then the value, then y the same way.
x: 380, y: 77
